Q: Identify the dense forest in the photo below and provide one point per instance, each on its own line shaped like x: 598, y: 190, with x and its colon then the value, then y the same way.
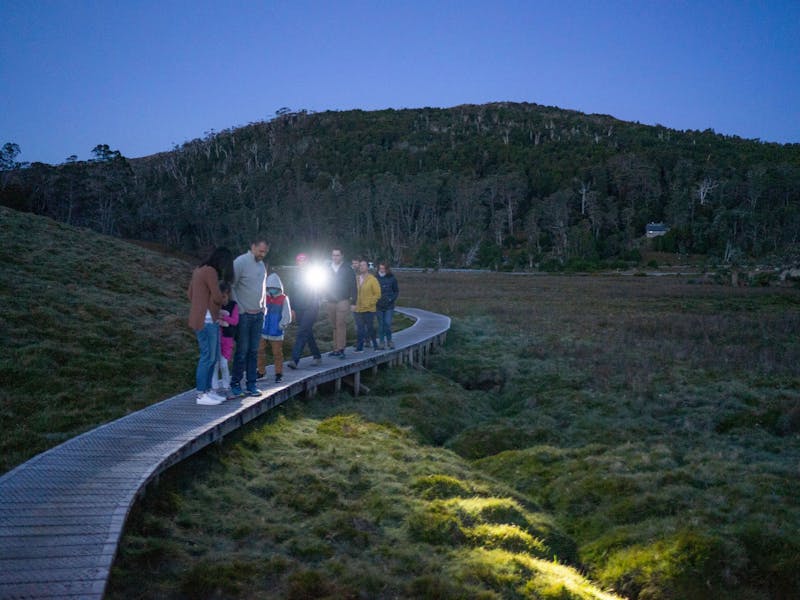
x: 498, y: 185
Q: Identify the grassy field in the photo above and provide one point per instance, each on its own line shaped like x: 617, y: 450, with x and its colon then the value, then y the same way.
x: 641, y: 433
x: 656, y: 419
x: 92, y: 327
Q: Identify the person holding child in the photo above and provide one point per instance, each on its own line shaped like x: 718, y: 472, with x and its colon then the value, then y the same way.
x: 278, y: 316
x: 206, y: 300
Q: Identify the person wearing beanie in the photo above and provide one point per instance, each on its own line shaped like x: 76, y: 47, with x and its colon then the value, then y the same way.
x: 277, y: 318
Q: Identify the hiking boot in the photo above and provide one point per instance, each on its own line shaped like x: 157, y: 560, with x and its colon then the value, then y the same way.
x: 205, y: 400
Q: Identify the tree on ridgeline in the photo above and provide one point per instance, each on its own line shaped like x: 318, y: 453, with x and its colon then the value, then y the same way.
x: 11, y: 193
x: 109, y: 179
x: 8, y: 161
x: 8, y: 154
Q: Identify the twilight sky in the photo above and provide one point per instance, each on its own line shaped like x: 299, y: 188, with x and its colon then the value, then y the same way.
x: 142, y: 76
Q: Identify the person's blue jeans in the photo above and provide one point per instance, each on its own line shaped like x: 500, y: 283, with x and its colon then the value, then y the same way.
x: 385, y: 324
x: 208, y: 340
x: 305, y: 333
x: 248, y: 337
x: 365, y: 326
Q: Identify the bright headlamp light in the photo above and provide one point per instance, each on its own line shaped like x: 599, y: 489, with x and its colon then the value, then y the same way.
x: 315, y: 277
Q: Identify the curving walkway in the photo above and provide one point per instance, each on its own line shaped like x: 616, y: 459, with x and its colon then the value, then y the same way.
x: 62, y: 512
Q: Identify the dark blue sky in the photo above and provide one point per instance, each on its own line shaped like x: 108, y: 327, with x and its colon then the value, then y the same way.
x: 142, y: 76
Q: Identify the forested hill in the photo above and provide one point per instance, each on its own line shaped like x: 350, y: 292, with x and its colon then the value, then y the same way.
x: 518, y: 185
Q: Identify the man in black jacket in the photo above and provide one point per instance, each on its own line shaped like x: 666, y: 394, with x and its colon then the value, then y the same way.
x: 341, y: 298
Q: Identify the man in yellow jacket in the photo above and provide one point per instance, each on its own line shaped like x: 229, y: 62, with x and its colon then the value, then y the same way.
x: 369, y: 290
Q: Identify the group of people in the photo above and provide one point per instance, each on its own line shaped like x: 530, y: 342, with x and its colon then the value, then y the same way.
x: 235, y: 304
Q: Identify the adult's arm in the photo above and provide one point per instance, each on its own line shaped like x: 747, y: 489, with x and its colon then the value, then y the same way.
x: 373, y: 290
x: 352, y: 287
x: 212, y: 283
x: 233, y: 318
x: 237, y: 274
x: 286, y: 314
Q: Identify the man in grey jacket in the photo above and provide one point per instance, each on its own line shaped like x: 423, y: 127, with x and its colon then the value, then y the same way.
x: 249, y: 291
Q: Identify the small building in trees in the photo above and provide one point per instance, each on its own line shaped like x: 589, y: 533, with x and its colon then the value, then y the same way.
x: 656, y: 229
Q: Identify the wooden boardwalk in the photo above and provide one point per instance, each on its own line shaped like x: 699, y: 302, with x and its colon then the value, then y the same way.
x: 62, y: 512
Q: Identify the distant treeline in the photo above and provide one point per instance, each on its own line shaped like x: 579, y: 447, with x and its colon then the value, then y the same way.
x: 515, y: 185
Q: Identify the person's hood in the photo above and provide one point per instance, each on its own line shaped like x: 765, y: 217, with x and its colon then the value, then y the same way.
x: 273, y: 281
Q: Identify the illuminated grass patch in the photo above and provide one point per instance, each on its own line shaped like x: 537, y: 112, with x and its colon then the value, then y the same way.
x: 336, y: 507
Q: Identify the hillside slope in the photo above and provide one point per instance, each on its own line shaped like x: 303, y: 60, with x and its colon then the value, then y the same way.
x: 92, y: 328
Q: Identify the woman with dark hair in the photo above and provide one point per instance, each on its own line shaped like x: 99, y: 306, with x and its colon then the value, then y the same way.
x: 384, y: 309
x: 206, y: 299
x: 221, y: 259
